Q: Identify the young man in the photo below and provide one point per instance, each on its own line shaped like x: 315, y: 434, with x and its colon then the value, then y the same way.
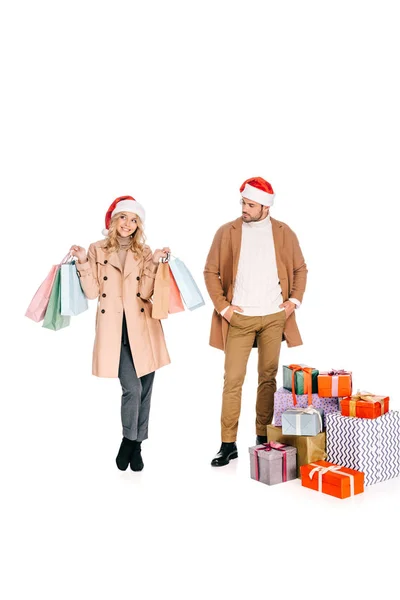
x: 256, y: 276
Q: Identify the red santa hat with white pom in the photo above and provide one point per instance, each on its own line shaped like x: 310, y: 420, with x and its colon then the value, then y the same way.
x: 258, y: 190
x: 123, y: 204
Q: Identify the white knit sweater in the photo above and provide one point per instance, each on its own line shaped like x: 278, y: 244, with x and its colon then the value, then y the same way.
x: 257, y: 289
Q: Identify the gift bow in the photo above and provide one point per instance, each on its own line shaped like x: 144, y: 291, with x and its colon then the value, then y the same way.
x: 268, y: 447
x: 338, y: 372
x: 307, y: 381
x: 310, y: 410
x: 365, y: 397
x: 368, y: 397
x: 321, y: 470
x: 335, y: 373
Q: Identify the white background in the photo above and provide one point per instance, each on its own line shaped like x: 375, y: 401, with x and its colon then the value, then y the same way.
x: 176, y: 103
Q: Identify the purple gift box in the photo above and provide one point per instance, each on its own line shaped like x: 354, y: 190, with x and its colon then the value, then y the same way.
x: 283, y: 400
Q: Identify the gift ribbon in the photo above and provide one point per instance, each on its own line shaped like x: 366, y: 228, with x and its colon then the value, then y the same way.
x: 365, y: 397
x: 334, y: 373
x: 334, y: 469
x: 310, y: 410
x: 307, y: 381
x: 268, y: 447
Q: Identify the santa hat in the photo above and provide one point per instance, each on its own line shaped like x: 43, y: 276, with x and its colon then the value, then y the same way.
x: 259, y: 190
x: 123, y: 204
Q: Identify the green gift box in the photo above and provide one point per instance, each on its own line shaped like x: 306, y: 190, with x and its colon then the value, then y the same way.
x: 299, y: 379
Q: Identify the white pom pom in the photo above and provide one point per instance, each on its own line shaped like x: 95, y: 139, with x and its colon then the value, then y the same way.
x: 105, y: 232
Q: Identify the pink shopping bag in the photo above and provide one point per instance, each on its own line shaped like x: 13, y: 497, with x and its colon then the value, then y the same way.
x: 175, y: 300
x: 37, y: 308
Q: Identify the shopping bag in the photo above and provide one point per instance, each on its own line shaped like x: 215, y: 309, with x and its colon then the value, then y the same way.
x: 175, y: 300
x: 37, y: 307
x: 161, y: 292
x: 53, y: 319
x: 73, y: 300
x: 187, y: 286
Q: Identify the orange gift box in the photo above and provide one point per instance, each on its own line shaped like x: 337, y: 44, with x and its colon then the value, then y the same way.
x: 332, y: 384
x: 364, y: 405
x: 331, y: 479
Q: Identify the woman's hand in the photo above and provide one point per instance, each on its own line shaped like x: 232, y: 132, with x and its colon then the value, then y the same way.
x: 158, y: 254
x: 79, y: 252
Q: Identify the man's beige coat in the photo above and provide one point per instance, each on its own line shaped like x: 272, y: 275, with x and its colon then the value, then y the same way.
x: 130, y: 291
x: 221, y: 270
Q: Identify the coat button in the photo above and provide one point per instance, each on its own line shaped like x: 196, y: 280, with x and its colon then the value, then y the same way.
x: 138, y: 294
x: 105, y: 262
x: 142, y: 310
x: 102, y: 310
x: 137, y: 278
x: 104, y: 295
x: 105, y: 278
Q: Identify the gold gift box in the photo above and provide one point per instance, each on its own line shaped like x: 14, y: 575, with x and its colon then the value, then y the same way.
x: 309, y: 447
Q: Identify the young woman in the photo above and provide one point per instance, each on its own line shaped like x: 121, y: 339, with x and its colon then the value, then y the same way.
x: 120, y: 272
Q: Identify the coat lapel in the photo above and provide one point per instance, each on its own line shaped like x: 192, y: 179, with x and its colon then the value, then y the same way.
x: 277, y: 234
x: 131, y: 264
x: 113, y: 259
x: 236, y: 239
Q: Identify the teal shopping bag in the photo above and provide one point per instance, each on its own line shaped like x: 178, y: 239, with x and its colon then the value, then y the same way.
x: 73, y: 300
x: 53, y: 319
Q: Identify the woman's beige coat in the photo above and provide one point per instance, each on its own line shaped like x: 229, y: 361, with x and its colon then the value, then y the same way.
x: 117, y: 291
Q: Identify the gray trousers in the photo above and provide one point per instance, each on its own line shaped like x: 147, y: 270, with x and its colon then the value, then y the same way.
x: 136, y: 394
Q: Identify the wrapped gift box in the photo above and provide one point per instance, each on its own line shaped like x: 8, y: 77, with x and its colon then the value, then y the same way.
x: 283, y: 400
x: 309, y: 448
x: 273, y: 463
x: 364, y: 405
x: 302, y: 421
x: 368, y: 445
x: 334, y: 384
x: 332, y: 479
x: 301, y: 379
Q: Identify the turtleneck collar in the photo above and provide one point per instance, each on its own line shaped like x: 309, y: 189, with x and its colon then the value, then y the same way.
x: 124, y: 242
x: 259, y: 224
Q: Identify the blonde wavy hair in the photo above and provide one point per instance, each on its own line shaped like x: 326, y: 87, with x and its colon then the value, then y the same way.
x: 137, y: 239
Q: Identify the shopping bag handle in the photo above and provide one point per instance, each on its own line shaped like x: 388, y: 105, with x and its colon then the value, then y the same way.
x: 168, y: 257
x: 67, y: 258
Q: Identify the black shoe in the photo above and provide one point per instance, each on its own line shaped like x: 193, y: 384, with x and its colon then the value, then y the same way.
x: 136, y: 458
x: 261, y: 439
x: 227, y: 451
x: 125, y: 453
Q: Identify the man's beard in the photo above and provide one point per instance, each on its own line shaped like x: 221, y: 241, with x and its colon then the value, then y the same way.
x: 258, y: 218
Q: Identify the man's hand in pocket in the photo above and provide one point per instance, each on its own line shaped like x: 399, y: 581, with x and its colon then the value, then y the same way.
x: 230, y: 311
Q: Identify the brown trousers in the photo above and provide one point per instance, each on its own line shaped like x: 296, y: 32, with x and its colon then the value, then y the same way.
x: 242, y: 332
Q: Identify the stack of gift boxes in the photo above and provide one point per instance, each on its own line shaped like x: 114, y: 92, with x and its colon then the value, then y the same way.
x: 316, y: 417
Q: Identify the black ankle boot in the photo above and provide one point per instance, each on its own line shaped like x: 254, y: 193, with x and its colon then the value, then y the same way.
x: 136, y: 457
x: 261, y: 439
x: 227, y: 451
x: 125, y: 452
